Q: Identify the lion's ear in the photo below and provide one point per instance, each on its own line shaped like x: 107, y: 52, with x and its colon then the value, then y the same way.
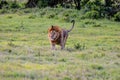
x: 52, y: 26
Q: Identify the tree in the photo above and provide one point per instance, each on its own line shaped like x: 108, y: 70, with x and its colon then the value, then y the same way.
x: 112, y: 7
x: 3, y: 3
x: 77, y: 3
x: 41, y: 3
x: 31, y: 3
x: 52, y: 3
x: 108, y: 3
x: 84, y: 2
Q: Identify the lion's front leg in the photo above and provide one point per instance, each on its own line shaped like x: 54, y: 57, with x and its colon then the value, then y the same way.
x: 62, y: 46
x: 62, y: 41
x: 53, y: 46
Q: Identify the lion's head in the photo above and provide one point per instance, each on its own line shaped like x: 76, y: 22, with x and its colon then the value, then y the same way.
x: 54, y: 33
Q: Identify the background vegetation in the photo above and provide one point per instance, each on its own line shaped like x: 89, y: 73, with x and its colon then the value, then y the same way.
x: 91, y: 8
x: 92, y: 51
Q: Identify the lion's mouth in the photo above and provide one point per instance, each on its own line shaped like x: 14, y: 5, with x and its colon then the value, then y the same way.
x: 52, y: 39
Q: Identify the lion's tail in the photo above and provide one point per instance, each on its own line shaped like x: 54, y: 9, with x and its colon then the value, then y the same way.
x: 73, y: 21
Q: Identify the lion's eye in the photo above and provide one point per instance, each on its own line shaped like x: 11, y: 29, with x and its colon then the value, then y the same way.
x: 53, y: 32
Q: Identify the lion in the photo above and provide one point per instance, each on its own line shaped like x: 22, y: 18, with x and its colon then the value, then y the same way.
x: 58, y: 36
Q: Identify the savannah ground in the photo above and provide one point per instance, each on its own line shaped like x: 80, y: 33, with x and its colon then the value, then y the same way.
x: 92, y: 51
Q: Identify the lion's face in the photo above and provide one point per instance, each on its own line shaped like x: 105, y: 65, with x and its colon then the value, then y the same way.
x: 53, y: 35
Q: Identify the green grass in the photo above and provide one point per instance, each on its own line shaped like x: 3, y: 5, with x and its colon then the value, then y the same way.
x: 92, y: 51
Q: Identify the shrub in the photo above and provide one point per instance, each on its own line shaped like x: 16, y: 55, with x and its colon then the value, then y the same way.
x: 14, y: 5
x: 67, y: 78
x: 92, y: 14
x: 67, y: 19
x: 11, y: 44
x: 63, y: 60
x: 98, y: 25
x: 51, y: 15
x: 27, y: 11
x: 94, y: 5
x: 117, y: 16
x: 90, y: 22
x: 9, y: 17
x: 83, y: 56
x: 2, y: 11
x: 97, y: 67
x: 42, y: 13
x: 32, y: 17
x: 79, y: 46
x: 42, y: 3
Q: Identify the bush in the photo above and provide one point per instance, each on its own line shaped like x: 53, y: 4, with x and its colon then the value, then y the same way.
x: 117, y: 16
x: 79, y: 46
x: 51, y: 15
x: 27, y: 11
x: 92, y: 15
x: 32, y: 17
x: 2, y: 11
x: 9, y: 17
x: 97, y: 67
x: 14, y: 5
x: 67, y: 19
x: 93, y: 5
x: 42, y: 3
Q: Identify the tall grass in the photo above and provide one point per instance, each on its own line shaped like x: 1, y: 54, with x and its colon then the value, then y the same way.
x: 91, y: 53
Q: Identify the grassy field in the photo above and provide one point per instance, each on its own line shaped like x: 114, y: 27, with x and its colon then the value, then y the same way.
x: 92, y: 51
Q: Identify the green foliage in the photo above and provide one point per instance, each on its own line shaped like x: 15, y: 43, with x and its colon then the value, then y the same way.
x: 93, y: 5
x: 51, y: 15
x: 98, y: 25
x: 79, y: 46
x: 117, y: 16
x: 32, y: 16
x: 84, y: 2
x: 27, y: 11
x: 3, y: 11
x: 11, y: 44
x: 105, y: 10
x: 67, y: 78
x: 9, y: 17
x: 14, y: 5
x: 97, y: 67
x: 13, y: 74
x: 92, y: 14
x: 63, y: 60
x: 42, y: 3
